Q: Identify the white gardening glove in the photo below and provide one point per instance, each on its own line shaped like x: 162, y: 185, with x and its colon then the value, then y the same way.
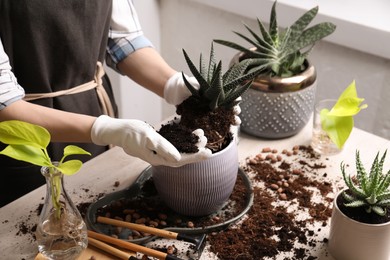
x: 139, y: 139
x: 237, y: 111
x: 176, y: 91
x: 237, y: 120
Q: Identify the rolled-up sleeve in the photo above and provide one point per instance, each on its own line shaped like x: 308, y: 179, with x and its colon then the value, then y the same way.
x: 10, y: 90
x: 125, y: 34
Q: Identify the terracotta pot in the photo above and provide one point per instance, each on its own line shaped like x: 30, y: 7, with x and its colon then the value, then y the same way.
x: 275, y: 107
x: 353, y: 240
x: 200, y: 188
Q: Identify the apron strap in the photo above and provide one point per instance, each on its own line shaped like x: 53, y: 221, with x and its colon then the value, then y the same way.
x: 97, y: 83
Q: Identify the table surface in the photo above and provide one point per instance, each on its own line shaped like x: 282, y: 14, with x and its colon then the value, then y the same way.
x: 102, y: 175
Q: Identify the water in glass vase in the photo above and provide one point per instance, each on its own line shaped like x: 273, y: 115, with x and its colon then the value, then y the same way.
x: 61, y: 239
x: 61, y: 232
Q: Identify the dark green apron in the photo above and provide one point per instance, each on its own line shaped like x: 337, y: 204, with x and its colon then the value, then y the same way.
x: 53, y: 45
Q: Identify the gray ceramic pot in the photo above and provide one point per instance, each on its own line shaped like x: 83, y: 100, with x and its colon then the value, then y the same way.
x: 275, y: 108
x: 200, y: 188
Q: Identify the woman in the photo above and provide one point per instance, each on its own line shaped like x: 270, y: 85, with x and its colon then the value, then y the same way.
x: 51, y: 75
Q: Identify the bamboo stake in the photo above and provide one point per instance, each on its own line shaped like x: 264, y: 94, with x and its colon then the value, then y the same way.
x: 110, y: 249
x: 130, y: 246
x: 142, y: 228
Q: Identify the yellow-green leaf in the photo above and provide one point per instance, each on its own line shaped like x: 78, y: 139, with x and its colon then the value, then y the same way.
x: 72, y: 150
x: 28, y: 154
x: 348, y: 103
x: 70, y: 167
x: 22, y: 133
x: 337, y: 128
x: 338, y: 122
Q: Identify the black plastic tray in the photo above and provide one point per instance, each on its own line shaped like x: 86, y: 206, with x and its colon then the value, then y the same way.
x: 137, y: 192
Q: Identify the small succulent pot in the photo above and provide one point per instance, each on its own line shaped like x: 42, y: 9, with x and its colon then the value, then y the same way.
x: 201, y: 188
x: 275, y: 107
x: 353, y: 240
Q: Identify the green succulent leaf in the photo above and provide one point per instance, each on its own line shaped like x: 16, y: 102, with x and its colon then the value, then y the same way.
x: 266, y: 35
x: 284, y: 50
x: 338, y: 122
x: 384, y: 185
x: 383, y: 202
x: 299, y: 25
x: 361, y: 173
x: 356, y: 204
x: 311, y: 35
x: 348, y: 197
x: 218, y: 89
x: 202, y: 81
x: 273, y: 25
x: 379, y: 210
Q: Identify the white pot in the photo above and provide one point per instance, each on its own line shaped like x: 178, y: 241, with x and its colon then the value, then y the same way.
x: 353, y: 240
x: 200, y: 188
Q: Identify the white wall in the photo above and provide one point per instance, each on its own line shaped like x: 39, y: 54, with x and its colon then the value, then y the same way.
x: 133, y: 100
x: 192, y: 26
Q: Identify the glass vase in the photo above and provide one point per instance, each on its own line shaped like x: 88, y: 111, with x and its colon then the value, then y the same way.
x: 61, y: 232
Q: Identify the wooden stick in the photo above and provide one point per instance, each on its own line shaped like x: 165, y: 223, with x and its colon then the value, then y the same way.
x: 142, y: 228
x: 127, y: 245
x: 110, y: 249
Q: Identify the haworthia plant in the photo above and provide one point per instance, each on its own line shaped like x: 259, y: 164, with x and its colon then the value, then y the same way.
x: 218, y: 89
x: 371, y: 189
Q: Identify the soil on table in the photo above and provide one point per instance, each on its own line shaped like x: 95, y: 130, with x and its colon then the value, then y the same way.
x: 270, y: 228
x: 215, y: 124
x: 284, y: 183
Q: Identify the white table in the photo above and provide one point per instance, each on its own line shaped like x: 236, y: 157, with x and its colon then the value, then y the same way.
x: 100, y: 174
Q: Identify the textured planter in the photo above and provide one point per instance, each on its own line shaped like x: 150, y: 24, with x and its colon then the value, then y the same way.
x: 200, y: 188
x: 275, y: 107
x: 353, y: 240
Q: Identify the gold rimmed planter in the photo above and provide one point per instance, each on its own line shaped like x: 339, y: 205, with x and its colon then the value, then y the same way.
x: 275, y: 107
x: 201, y: 188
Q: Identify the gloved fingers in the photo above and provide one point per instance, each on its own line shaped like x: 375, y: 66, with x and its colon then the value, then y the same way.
x: 193, y: 81
x: 186, y: 158
x: 237, y: 121
x: 202, y: 138
x: 161, y: 150
x: 237, y: 110
x: 175, y: 120
x: 176, y: 91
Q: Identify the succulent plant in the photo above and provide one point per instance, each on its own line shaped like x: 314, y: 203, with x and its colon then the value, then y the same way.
x: 282, y: 52
x: 369, y: 190
x: 218, y: 89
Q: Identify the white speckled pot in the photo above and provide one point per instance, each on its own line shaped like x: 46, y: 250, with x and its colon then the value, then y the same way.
x: 200, y: 188
x: 269, y: 111
x: 353, y: 240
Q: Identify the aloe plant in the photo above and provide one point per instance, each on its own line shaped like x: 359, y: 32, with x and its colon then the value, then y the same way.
x: 218, y: 89
x: 28, y: 142
x: 282, y: 52
x: 211, y: 105
x: 371, y: 190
